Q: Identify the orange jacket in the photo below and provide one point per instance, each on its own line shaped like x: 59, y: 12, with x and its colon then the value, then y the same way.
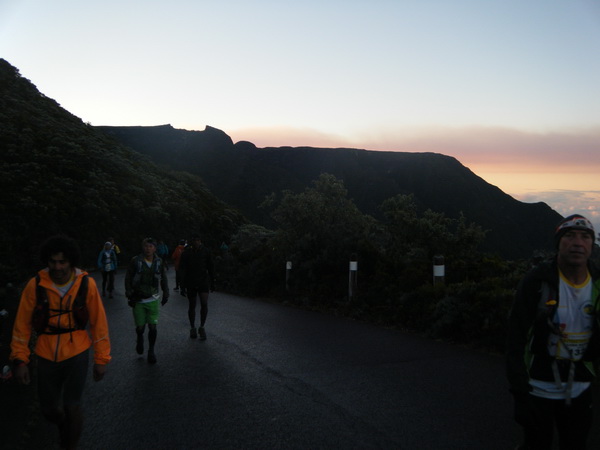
x: 58, y: 347
x: 176, y: 256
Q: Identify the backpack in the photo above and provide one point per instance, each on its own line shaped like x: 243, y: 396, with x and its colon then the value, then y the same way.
x: 42, y: 310
x: 155, y: 263
x: 135, y: 274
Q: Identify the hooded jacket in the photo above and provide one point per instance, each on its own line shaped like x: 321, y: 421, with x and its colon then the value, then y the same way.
x: 105, y: 255
x: 535, y: 302
x: 59, y: 347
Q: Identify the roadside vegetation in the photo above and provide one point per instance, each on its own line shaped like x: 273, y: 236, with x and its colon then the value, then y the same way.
x: 320, y: 230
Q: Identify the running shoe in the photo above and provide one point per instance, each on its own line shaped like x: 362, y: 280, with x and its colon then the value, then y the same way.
x: 151, y: 357
x: 193, y: 333
x: 202, y: 333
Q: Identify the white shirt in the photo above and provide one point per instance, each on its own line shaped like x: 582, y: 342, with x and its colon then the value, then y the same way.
x: 575, y: 321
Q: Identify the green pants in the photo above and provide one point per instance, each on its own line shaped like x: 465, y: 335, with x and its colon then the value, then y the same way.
x: 144, y: 313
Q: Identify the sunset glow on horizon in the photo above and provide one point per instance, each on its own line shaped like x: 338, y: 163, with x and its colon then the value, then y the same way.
x: 561, y: 170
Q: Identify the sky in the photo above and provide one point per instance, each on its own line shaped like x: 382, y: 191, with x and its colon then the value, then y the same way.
x: 510, y: 88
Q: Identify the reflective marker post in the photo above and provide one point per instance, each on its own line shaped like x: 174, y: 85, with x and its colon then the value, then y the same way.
x: 353, y: 278
x: 288, y: 270
x: 439, y: 270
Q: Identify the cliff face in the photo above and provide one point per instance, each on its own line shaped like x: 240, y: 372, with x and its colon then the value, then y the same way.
x: 242, y: 175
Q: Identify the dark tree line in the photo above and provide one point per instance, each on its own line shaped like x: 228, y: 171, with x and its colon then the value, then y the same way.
x: 320, y: 230
x: 59, y: 175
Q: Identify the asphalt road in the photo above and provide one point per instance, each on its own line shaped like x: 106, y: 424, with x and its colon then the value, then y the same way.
x: 276, y: 377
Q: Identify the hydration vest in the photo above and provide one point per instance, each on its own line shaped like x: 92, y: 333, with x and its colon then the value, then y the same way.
x: 156, y: 263
x: 42, y: 311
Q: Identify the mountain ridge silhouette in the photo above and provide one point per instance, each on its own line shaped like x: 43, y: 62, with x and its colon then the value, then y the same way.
x: 242, y: 174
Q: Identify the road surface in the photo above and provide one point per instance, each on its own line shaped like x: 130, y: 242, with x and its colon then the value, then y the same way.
x: 276, y: 377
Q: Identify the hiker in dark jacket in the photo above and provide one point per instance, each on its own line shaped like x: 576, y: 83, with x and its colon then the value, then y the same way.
x: 144, y: 274
x: 554, y: 340
x: 107, y: 263
x: 197, y: 271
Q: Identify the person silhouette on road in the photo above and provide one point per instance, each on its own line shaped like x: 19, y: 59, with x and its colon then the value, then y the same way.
x: 198, y: 278
x: 144, y: 274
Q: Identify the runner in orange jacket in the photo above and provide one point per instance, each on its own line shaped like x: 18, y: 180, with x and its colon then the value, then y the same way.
x: 62, y: 348
x: 176, y: 258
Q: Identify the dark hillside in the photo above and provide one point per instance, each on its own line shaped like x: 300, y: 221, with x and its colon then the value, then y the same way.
x: 242, y: 175
x: 59, y: 175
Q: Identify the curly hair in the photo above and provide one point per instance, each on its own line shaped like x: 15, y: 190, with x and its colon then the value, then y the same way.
x: 61, y: 244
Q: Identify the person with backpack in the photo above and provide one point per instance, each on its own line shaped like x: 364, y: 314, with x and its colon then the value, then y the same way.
x: 198, y: 275
x: 176, y: 257
x: 554, y: 341
x: 162, y: 250
x: 57, y: 305
x: 107, y: 263
x: 144, y: 275
x: 115, y: 247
